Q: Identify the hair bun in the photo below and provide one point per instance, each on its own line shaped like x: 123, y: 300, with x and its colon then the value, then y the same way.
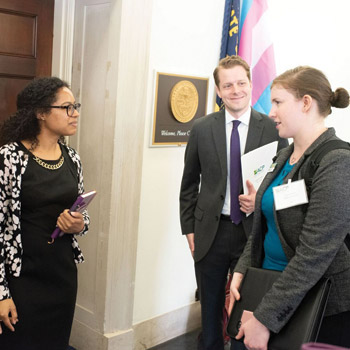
x: 340, y: 98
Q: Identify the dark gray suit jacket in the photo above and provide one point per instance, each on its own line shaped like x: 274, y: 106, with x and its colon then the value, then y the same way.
x: 312, y: 237
x: 203, y: 186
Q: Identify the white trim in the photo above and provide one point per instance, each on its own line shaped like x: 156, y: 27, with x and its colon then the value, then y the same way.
x: 62, y: 52
x: 143, y: 335
x: 168, y: 326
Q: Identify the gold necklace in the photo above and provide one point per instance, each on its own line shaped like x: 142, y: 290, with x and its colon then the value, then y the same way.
x: 49, y: 166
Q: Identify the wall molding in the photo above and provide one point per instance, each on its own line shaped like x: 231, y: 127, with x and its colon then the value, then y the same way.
x: 143, y: 335
x: 85, y: 338
x: 160, y: 329
x: 62, y: 51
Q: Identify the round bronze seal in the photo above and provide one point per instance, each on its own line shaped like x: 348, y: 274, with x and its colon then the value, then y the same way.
x: 184, y: 101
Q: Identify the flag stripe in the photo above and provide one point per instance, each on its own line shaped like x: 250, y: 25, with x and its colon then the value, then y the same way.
x: 246, y: 40
x: 256, y: 48
x: 245, y: 8
x: 260, y: 42
x: 264, y: 72
x: 264, y: 100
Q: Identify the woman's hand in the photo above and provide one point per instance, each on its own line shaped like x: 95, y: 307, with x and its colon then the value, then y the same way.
x: 234, y: 293
x: 247, y: 201
x: 7, y: 307
x: 256, y: 335
x: 70, y: 222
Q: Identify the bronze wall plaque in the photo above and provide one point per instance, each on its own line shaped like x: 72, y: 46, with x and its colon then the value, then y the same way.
x: 179, y: 101
x: 184, y: 101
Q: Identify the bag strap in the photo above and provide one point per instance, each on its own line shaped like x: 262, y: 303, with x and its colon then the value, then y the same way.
x: 317, y: 155
x: 314, y: 163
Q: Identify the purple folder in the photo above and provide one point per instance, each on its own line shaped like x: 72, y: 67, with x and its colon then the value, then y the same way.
x: 79, y: 205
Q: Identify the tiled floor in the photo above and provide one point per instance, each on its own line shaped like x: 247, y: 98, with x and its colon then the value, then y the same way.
x: 185, y: 342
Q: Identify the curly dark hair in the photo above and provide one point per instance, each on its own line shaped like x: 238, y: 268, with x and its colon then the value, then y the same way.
x: 24, y: 124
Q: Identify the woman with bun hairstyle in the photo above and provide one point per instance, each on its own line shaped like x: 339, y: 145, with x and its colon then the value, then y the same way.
x: 305, y: 241
x: 40, y: 178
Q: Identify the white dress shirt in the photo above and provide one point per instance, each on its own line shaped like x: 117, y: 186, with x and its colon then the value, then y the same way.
x: 243, y: 132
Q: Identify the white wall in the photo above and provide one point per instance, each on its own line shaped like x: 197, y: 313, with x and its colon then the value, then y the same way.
x: 186, y: 38
x: 315, y: 33
x: 182, y: 42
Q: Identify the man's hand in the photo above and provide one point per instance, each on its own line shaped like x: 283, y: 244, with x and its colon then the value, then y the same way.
x: 247, y: 201
x: 7, y: 307
x: 190, y: 240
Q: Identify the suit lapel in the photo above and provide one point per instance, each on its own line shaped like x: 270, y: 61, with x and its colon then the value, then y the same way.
x: 254, y: 132
x: 219, y: 135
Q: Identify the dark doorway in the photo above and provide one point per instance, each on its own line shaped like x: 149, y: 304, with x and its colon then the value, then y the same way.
x: 26, y: 35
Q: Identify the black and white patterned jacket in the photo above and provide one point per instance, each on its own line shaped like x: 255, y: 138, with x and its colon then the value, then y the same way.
x: 13, y: 164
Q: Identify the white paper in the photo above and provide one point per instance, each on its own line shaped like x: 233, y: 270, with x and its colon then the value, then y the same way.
x: 290, y: 194
x: 255, y: 164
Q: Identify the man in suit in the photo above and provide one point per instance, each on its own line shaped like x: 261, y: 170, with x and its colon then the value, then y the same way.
x: 211, y: 209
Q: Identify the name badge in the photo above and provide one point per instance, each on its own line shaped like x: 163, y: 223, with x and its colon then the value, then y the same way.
x: 290, y: 194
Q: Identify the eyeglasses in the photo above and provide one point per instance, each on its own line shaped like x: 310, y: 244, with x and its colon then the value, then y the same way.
x: 69, y: 108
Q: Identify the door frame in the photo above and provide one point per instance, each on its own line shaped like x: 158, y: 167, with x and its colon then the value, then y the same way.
x: 62, y: 50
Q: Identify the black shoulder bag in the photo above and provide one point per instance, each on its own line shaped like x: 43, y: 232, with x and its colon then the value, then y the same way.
x: 314, y: 163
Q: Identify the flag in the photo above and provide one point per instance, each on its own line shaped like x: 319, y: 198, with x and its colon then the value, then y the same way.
x: 245, y: 32
x: 256, y: 48
x: 230, y: 31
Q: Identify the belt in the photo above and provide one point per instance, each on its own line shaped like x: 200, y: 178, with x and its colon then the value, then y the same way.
x: 225, y: 217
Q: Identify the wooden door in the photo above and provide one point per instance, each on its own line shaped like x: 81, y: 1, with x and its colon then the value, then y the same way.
x: 26, y: 34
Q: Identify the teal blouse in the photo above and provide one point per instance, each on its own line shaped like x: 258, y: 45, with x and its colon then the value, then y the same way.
x: 275, y: 259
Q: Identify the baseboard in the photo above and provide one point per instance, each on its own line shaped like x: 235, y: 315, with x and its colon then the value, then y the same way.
x: 165, y: 327
x: 143, y: 335
x: 85, y: 338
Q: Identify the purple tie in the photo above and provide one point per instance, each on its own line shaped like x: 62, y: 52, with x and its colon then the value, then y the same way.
x: 235, y: 173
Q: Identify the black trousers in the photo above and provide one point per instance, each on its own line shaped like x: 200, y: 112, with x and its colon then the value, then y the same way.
x: 211, y: 274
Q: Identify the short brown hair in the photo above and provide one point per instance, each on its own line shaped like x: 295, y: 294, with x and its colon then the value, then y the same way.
x: 305, y: 80
x: 229, y: 62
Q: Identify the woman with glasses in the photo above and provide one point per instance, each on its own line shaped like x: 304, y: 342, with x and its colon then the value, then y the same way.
x: 40, y: 178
